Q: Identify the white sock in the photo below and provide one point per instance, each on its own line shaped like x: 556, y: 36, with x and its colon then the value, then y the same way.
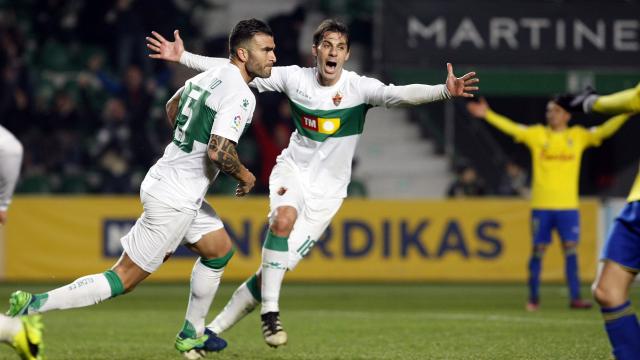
x: 204, y: 285
x: 274, y: 265
x: 9, y: 327
x: 85, y: 291
x: 241, y: 303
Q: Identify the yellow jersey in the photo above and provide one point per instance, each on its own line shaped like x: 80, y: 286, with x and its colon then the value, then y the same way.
x: 634, y: 195
x: 556, y: 157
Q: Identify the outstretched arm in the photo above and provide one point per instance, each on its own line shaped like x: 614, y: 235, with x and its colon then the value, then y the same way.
x: 416, y: 94
x: 481, y: 109
x: 222, y: 152
x: 174, y: 51
x: 599, y: 133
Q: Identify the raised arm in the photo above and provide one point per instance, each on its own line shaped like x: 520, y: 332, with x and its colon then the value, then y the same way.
x: 598, y: 133
x: 174, y: 51
x: 416, y: 94
x: 481, y: 109
x: 222, y: 152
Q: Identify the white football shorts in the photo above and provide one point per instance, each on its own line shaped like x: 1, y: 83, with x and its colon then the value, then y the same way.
x: 287, y: 188
x: 161, y: 229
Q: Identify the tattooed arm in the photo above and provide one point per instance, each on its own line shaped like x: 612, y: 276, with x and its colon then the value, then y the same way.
x: 222, y: 152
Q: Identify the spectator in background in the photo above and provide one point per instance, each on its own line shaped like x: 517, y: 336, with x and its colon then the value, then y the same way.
x: 513, y: 181
x: 286, y: 28
x: 112, y: 149
x: 129, y: 36
x: 466, y: 184
x: 271, y: 140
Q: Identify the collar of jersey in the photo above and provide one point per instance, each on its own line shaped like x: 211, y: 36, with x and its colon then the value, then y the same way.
x: 337, y: 85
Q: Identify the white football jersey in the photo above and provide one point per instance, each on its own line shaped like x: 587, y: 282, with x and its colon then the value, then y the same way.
x: 217, y: 101
x: 329, y: 121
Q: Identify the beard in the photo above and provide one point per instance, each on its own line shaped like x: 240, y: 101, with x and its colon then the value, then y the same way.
x: 255, y: 72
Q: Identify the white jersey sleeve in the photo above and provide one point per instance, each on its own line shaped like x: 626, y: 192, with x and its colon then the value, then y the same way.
x: 234, y: 115
x: 201, y: 63
x: 10, y: 161
x: 378, y: 94
x: 278, y: 79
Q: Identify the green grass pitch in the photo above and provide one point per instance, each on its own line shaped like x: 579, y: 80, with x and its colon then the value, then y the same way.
x: 346, y: 321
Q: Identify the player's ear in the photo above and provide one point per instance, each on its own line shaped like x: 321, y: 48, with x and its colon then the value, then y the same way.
x: 348, y: 53
x: 314, y: 50
x: 242, y: 54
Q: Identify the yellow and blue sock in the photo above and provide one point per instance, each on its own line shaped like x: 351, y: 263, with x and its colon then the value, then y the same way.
x: 623, y: 330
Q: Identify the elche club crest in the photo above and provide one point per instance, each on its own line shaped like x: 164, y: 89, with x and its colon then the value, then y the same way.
x: 337, y: 98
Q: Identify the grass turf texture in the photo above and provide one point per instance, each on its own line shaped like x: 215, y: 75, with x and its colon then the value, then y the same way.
x: 417, y: 321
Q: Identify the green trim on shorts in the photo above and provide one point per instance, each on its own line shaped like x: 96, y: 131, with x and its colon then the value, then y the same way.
x: 276, y: 243
x: 117, y: 288
x: 254, y: 287
x: 218, y: 263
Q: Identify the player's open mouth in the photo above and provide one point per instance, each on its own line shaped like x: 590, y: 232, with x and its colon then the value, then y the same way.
x: 330, y: 67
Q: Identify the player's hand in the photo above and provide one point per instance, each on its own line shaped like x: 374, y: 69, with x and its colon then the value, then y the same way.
x: 478, y: 108
x: 461, y: 86
x: 246, y: 184
x: 3, y: 217
x: 164, y: 49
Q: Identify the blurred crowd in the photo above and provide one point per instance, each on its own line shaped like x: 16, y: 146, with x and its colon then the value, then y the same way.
x: 78, y: 89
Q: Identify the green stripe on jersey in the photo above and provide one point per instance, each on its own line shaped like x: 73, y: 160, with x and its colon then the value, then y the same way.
x: 319, y: 125
x: 194, y: 120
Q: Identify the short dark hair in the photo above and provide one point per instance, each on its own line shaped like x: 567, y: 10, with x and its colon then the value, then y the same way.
x: 331, y: 25
x: 245, y: 30
x: 564, y: 101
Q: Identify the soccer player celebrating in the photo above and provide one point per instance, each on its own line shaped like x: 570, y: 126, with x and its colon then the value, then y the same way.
x: 10, y: 161
x: 621, y: 253
x: 556, y: 152
x: 310, y: 178
x: 209, y: 114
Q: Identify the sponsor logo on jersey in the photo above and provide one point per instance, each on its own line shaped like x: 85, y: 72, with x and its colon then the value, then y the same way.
x: 303, y: 94
x: 337, y: 98
x: 322, y: 125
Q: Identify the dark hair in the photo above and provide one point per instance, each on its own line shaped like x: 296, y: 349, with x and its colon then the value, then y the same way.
x: 331, y: 25
x: 564, y: 101
x: 245, y: 30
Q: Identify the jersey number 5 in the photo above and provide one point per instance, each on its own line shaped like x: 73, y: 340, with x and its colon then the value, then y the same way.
x: 194, y: 118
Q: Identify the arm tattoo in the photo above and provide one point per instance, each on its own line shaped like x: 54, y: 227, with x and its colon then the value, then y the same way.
x: 223, y: 153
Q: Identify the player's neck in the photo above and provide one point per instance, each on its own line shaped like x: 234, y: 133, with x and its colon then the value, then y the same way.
x: 327, y: 82
x: 558, y: 128
x: 243, y: 70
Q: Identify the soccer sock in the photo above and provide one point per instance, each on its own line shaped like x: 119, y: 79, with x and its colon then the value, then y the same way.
x: 205, y: 279
x: 243, y: 301
x: 571, y: 271
x: 85, y: 291
x: 535, y: 265
x: 275, y: 256
x: 9, y: 327
x: 617, y: 103
x: 623, y: 330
